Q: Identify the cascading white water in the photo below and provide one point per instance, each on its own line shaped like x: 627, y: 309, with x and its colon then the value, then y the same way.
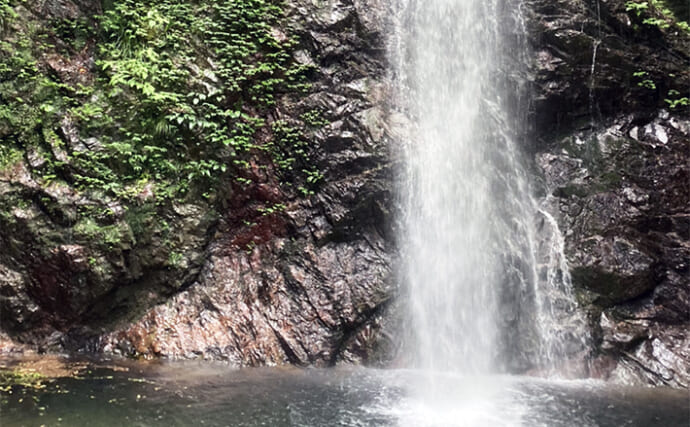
x: 482, y: 276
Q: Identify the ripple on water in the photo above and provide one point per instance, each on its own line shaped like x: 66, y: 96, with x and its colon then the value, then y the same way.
x: 210, y: 394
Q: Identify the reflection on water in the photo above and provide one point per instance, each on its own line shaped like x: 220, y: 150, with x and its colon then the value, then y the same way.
x: 184, y: 394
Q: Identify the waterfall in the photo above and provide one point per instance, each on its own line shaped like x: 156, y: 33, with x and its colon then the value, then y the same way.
x: 483, y: 265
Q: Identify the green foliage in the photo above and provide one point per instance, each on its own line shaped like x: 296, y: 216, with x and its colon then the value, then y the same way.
x: 74, y: 32
x: 275, y: 208
x: 657, y: 22
x: 314, y: 119
x: 109, y: 236
x: 656, y: 13
x: 647, y: 84
x: 680, y: 102
x: 175, y: 259
x: 179, y: 99
x: 9, y: 156
x: 674, y: 101
x: 636, y: 7
x: 313, y: 179
x: 643, y: 81
x: 175, y: 100
x: 286, y: 136
x: 7, y: 14
x: 21, y: 378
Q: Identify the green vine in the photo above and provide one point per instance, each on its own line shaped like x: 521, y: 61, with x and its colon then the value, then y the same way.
x: 174, y: 101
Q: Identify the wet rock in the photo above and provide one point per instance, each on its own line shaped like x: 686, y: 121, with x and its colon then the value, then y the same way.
x: 661, y: 360
x: 313, y: 297
x: 616, y: 160
x: 305, y: 285
x: 267, y: 307
x: 625, y: 210
x: 586, y: 56
x: 313, y: 284
x: 613, y: 268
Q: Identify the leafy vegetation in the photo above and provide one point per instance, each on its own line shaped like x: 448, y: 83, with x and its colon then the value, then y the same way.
x: 644, y: 80
x: 9, y: 156
x: 148, y: 105
x: 21, y: 378
x: 175, y: 100
x: 638, y: 8
x: 674, y: 100
x: 656, y: 13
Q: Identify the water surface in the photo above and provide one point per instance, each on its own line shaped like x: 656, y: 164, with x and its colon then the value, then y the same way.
x: 186, y: 394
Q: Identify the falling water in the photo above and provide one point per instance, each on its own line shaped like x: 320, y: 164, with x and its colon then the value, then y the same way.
x: 484, y: 267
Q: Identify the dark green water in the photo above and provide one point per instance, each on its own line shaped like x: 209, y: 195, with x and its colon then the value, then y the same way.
x: 215, y: 395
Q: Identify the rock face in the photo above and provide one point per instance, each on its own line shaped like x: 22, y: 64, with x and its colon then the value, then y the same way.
x: 305, y: 284
x: 615, y: 162
x: 313, y: 283
x: 51, y: 280
x: 314, y: 286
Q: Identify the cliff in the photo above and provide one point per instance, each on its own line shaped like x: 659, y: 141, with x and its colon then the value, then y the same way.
x: 155, y: 239
x: 612, y: 127
x: 278, y: 246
